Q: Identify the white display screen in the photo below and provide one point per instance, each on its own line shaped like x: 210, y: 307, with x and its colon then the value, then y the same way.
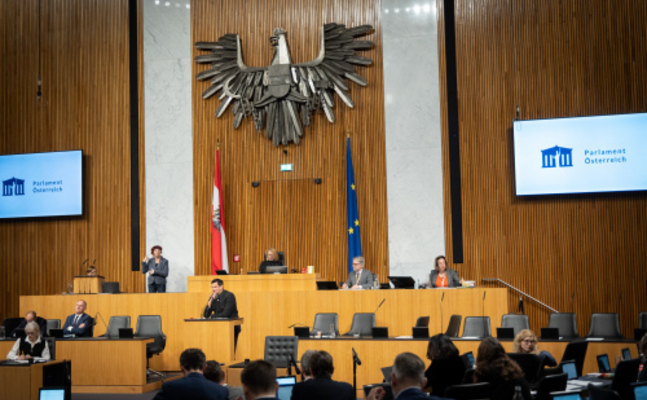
x: 581, y: 155
x: 41, y: 184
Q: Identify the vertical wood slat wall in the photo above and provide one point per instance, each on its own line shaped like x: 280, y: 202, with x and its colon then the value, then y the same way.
x: 84, y: 105
x: 553, y: 59
x: 291, y: 213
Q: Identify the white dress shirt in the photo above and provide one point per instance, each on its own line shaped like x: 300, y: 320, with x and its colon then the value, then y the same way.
x: 15, y: 350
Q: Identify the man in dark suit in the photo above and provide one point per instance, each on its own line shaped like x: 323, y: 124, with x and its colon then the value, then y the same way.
x: 222, y: 304
x: 360, y: 278
x: 407, y: 380
x: 79, y: 324
x: 29, y: 317
x: 194, y: 385
x: 322, y: 387
x: 259, y: 381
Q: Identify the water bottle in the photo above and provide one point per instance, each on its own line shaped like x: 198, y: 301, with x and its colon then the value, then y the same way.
x: 376, y: 282
x: 517, y: 393
x: 332, y: 330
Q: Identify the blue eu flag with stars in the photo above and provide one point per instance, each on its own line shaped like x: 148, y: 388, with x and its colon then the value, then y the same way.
x: 352, y: 217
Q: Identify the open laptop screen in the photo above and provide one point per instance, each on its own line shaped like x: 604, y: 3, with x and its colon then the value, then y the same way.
x: 286, y: 383
x: 52, y: 394
x: 568, y: 367
x: 640, y: 390
x: 603, y: 363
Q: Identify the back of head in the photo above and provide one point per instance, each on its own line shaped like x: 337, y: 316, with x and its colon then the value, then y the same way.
x: 305, y: 361
x: 213, y: 372
x: 259, y: 378
x: 321, y: 364
x: 193, y: 360
x: 492, y: 356
x: 441, y: 347
x: 409, y: 370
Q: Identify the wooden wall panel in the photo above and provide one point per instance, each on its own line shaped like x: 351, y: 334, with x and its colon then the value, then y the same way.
x: 85, y: 105
x: 287, y: 210
x: 553, y: 59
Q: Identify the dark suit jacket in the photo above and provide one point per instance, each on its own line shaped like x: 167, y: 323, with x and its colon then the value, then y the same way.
x: 86, y: 331
x: 322, y: 388
x: 161, y: 272
x: 224, y: 306
x: 194, y: 386
x: 450, y: 274
x: 366, y: 279
x: 444, y: 373
x: 416, y: 394
x: 42, y: 324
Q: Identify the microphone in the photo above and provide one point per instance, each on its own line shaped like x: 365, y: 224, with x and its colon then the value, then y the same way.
x: 441, y: 310
x: 356, y: 357
x: 485, y: 325
x: 296, y: 367
x: 484, y: 292
x: 378, y: 307
x: 298, y: 323
x: 521, y: 308
x: 96, y: 321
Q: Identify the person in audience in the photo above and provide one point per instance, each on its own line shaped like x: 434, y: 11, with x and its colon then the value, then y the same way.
x: 271, y: 260
x: 407, y: 380
x: 526, y: 343
x: 214, y: 373
x: 29, y: 317
x: 305, y: 364
x: 222, y: 304
x: 259, y: 380
x: 91, y: 271
x: 79, y: 324
x: 157, y: 269
x: 443, y: 276
x: 494, y: 366
x: 33, y: 346
x: 446, y: 368
x: 193, y: 385
x: 642, y: 346
x: 322, y: 387
x: 360, y: 278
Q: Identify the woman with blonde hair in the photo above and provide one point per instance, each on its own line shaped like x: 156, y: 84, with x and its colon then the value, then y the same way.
x: 526, y: 343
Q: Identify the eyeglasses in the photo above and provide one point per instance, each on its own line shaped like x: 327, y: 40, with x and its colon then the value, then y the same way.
x: 529, y: 341
x: 30, y: 333
x: 357, y: 264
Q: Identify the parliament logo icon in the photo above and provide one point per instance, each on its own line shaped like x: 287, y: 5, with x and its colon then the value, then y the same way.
x: 13, y: 186
x: 556, y: 156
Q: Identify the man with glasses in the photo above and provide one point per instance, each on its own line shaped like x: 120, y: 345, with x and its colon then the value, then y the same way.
x: 32, y: 347
x: 360, y: 278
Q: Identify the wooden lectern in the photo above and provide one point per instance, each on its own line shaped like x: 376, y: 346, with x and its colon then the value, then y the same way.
x: 88, y: 284
x: 214, y: 336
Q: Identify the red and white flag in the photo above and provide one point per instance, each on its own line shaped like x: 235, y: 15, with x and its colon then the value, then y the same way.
x: 218, y: 240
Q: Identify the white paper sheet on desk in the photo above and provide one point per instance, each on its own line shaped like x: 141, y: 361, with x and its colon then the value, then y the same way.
x: 404, y: 337
x: 594, y: 339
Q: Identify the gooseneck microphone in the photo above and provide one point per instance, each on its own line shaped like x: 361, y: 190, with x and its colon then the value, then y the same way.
x: 356, y: 357
x: 441, y: 310
x: 294, y: 363
x: 378, y: 307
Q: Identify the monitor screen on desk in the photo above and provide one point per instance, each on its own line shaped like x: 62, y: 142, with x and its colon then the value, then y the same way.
x: 286, y: 383
x: 568, y: 368
x: 603, y: 363
x: 52, y: 394
x: 273, y: 269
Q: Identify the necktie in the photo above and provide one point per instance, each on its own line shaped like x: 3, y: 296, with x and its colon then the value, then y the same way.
x: 76, y: 320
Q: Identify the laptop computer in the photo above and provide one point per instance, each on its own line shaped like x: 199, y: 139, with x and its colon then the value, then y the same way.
x: 302, y: 331
x: 505, y: 333
x: 327, y: 285
x: 380, y: 332
x: 640, y: 390
x: 550, y: 333
x: 276, y: 269
x: 468, y: 359
x: 626, y: 354
x: 286, y: 383
x: 388, y: 392
x: 603, y: 363
x: 51, y: 393
x: 420, y: 332
x: 566, y: 395
x: 56, y: 333
x: 568, y: 367
x: 126, y: 333
x: 386, y: 373
x: 402, y: 282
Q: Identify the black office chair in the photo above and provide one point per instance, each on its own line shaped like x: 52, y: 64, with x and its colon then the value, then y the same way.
x: 10, y: 324
x: 518, y: 322
x: 281, y: 257
x: 422, y: 322
x: 151, y: 326
x: 605, y: 325
x: 363, y: 324
x: 52, y: 324
x: 576, y: 351
x: 469, y: 391
x: 454, y: 326
x: 530, y: 365
x: 550, y: 383
x: 279, y: 350
x: 110, y: 287
x: 51, y: 343
x: 565, y: 323
x: 477, y: 327
x: 626, y: 373
x: 322, y: 324
x: 642, y: 320
x: 600, y: 393
x: 116, y: 323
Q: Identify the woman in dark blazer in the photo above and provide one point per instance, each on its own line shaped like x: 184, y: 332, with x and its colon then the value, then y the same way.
x: 447, y: 368
x: 494, y: 366
x: 442, y: 275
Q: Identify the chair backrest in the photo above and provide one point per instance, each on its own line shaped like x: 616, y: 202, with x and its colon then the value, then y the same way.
x: 363, y: 324
x: 53, y: 324
x: 518, y: 322
x: 642, y: 320
x: 278, y: 349
x: 454, y: 325
x: 10, y: 324
x: 477, y: 327
x: 322, y: 323
x: 530, y: 365
x: 281, y: 256
x: 605, y: 325
x: 600, y: 393
x: 566, y: 323
x: 470, y: 391
x: 116, y: 323
x: 51, y: 343
x: 576, y: 351
x: 151, y: 326
x: 626, y: 373
x: 110, y: 287
x: 422, y: 322
x: 551, y: 383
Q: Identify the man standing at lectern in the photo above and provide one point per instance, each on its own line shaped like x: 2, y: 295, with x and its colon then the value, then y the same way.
x: 222, y: 304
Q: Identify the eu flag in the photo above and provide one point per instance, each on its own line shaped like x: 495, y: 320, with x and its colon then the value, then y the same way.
x: 352, y: 218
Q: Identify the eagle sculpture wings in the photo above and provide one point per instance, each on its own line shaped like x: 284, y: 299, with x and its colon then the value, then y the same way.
x: 282, y: 97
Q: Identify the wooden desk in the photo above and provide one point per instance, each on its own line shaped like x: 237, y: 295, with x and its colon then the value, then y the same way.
x: 214, y: 337
x: 255, y: 283
x: 88, y: 284
x: 22, y: 382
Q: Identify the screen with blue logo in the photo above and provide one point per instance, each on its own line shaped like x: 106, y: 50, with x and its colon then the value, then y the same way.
x: 581, y: 155
x: 41, y: 184
x: 286, y: 383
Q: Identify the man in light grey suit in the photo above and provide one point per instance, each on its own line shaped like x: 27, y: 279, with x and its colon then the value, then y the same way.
x: 360, y: 278
x: 157, y: 270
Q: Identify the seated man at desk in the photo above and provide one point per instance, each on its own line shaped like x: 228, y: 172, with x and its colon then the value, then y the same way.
x: 360, y: 278
x: 272, y: 259
x: 33, y: 346
x: 222, y: 304
x: 31, y: 317
x: 79, y: 324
